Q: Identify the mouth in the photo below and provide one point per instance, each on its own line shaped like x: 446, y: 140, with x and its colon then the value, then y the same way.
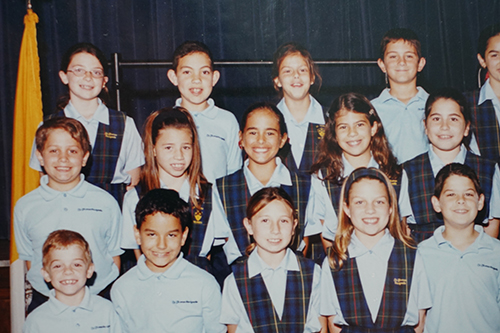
x: 86, y: 87
x: 274, y: 240
x: 196, y: 91
x: 63, y: 169
x: 461, y: 211
x: 161, y: 254
x: 371, y: 220
x: 68, y: 282
x: 354, y: 143
x: 297, y: 85
x: 444, y: 137
x: 260, y: 150
x: 178, y: 166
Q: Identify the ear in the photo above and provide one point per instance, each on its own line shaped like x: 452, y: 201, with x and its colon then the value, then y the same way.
x: 381, y: 65
x: 421, y: 64
x: 46, y: 275
x: 64, y: 77
x: 480, y: 203
x: 374, y: 128
x: 277, y: 82
x: 467, y: 129
x: 185, y: 234
x: 137, y: 235
x: 104, y: 81
x: 154, y: 152
x: 295, y: 222
x: 215, y: 77
x: 172, y: 76
x: 240, y: 139
x: 284, y: 138
x: 90, y: 270
x: 248, y: 226
x: 425, y: 127
x: 481, y: 61
x: 346, y: 209
x: 85, y: 158
x: 39, y: 157
x: 436, y: 204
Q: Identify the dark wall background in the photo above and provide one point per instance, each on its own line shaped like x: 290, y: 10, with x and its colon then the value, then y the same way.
x: 235, y: 30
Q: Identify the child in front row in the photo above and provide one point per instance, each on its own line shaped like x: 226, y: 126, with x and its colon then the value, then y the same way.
x: 462, y: 262
x: 67, y: 264
x: 194, y: 75
x: 164, y: 291
x: 373, y: 280
x: 65, y: 200
x: 447, y: 125
x: 273, y: 290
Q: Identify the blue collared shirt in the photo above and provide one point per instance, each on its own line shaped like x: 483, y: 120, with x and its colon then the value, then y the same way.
x: 486, y: 93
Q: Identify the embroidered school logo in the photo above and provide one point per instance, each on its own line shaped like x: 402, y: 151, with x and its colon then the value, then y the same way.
x: 100, y: 326
x: 184, y: 302
x: 109, y: 135
x: 488, y: 266
x: 197, y: 216
x: 399, y: 282
x: 394, y: 182
x: 321, y: 131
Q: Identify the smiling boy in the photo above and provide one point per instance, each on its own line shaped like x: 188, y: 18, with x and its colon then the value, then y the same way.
x: 165, y: 291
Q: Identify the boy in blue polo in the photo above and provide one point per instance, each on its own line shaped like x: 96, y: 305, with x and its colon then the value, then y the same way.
x: 67, y: 264
x: 461, y: 261
x: 65, y: 200
x: 194, y: 75
x: 165, y: 292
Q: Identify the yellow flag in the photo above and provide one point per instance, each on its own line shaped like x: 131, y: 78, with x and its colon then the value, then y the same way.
x: 27, y: 115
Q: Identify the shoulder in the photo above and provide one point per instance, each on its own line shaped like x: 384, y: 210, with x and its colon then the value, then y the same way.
x: 427, y: 245
x: 196, y: 273
x: 125, y: 281
x: 225, y: 117
x: 101, y: 304
x: 38, y: 316
x: 28, y: 198
x: 98, y: 193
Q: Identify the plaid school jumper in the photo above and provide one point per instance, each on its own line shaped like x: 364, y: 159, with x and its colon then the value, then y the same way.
x: 394, y: 299
x: 315, y: 133
x: 101, y: 164
x: 485, y: 126
x: 234, y: 195
x: 259, y: 306
x: 421, y: 189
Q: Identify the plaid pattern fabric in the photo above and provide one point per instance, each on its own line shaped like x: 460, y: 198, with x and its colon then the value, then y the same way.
x: 200, y: 222
x: 421, y: 189
x: 395, y: 297
x: 259, y: 306
x: 485, y: 126
x: 315, y: 133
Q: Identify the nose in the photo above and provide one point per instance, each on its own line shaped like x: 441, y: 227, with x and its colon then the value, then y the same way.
x: 296, y: 74
x: 370, y: 207
x: 261, y: 138
x: 445, y: 125
x: 353, y: 131
x: 68, y: 270
x: 196, y: 77
x: 178, y: 154
x: 63, y: 156
x: 461, y: 199
x: 161, y: 243
x: 402, y: 61
x: 274, y: 228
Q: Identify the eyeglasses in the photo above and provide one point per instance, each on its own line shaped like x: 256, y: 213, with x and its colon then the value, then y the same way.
x: 96, y: 73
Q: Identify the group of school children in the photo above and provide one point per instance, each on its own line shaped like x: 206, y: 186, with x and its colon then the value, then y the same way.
x: 255, y: 209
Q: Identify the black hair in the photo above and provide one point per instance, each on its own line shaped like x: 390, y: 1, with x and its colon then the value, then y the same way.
x: 458, y: 170
x: 188, y: 47
x: 396, y: 34
x: 485, y: 35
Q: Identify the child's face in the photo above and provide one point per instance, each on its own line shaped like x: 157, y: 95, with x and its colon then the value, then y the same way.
x: 459, y: 202
x: 491, y: 59
x: 173, y: 152
x: 354, y: 134
x: 262, y: 137
x: 294, y: 77
x: 86, y: 87
x: 272, y: 228
x: 195, y: 79
x: 401, y: 62
x: 62, y: 158
x: 68, y: 271
x: 445, y: 126
x: 369, y: 209
x: 161, y: 239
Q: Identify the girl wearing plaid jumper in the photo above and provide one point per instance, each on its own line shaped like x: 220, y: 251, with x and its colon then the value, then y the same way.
x: 372, y: 279
x: 272, y: 290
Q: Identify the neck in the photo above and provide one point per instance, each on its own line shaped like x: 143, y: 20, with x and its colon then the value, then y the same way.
x: 263, y: 172
x: 495, y: 85
x: 194, y: 107
x: 86, y: 108
x: 273, y: 260
x: 369, y: 241
x: 72, y: 300
x: 298, y: 108
x: 404, y: 92
x: 460, y: 237
x: 359, y: 161
x: 172, y: 183
x: 446, y: 156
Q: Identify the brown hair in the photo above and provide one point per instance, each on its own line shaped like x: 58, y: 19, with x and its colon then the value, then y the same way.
x: 397, y: 34
x: 188, y: 47
x: 70, y: 125
x: 62, y: 239
x: 456, y: 169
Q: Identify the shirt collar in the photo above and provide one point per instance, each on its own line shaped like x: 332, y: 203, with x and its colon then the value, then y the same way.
x: 281, y: 176
x: 256, y: 265
x: 314, y: 113
x: 482, y: 241
x: 49, y: 193
x: 209, y: 112
x: 382, y: 249
x: 173, y: 272
x: 348, y: 168
x: 101, y: 113
x: 184, y: 192
x: 58, y: 307
x: 385, y: 95
x: 486, y: 94
x: 437, y: 164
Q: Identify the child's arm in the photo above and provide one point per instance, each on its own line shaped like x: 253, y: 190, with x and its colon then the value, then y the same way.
x: 234, y: 157
x: 333, y: 327
x: 492, y: 228
x: 211, y: 298
x: 231, y: 328
x: 135, y: 175
x: 421, y: 321
x: 117, y: 261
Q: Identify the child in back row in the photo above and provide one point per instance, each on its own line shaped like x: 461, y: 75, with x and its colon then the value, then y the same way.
x: 164, y: 291
x: 116, y: 154
x: 64, y: 200
x: 194, y: 75
x: 354, y: 137
x: 462, y: 262
x: 273, y: 290
x: 447, y: 125
x: 67, y: 265
x: 373, y: 279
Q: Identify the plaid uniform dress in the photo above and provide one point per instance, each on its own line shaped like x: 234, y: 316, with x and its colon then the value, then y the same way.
x: 315, y: 133
x: 259, y: 306
x: 394, y: 299
x: 485, y: 126
x: 421, y: 189
x: 234, y: 194
x: 101, y: 165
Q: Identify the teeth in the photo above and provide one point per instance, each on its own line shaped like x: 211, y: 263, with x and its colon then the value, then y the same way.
x: 274, y: 240
x: 372, y: 220
x: 67, y: 282
x: 196, y: 90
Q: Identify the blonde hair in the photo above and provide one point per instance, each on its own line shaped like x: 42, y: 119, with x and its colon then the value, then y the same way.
x: 62, y: 239
x: 338, y: 252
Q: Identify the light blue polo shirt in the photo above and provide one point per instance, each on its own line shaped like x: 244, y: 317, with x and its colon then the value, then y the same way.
x: 218, y: 135
x: 184, y: 298
x: 465, y: 285
x: 86, y: 209
x: 403, y: 123
x: 94, y: 315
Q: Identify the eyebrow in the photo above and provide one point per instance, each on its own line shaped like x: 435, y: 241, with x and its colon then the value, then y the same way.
x: 266, y: 129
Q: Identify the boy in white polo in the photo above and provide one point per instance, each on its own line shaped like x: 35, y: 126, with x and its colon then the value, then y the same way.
x: 64, y: 200
x: 67, y: 264
x: 165, y: 292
